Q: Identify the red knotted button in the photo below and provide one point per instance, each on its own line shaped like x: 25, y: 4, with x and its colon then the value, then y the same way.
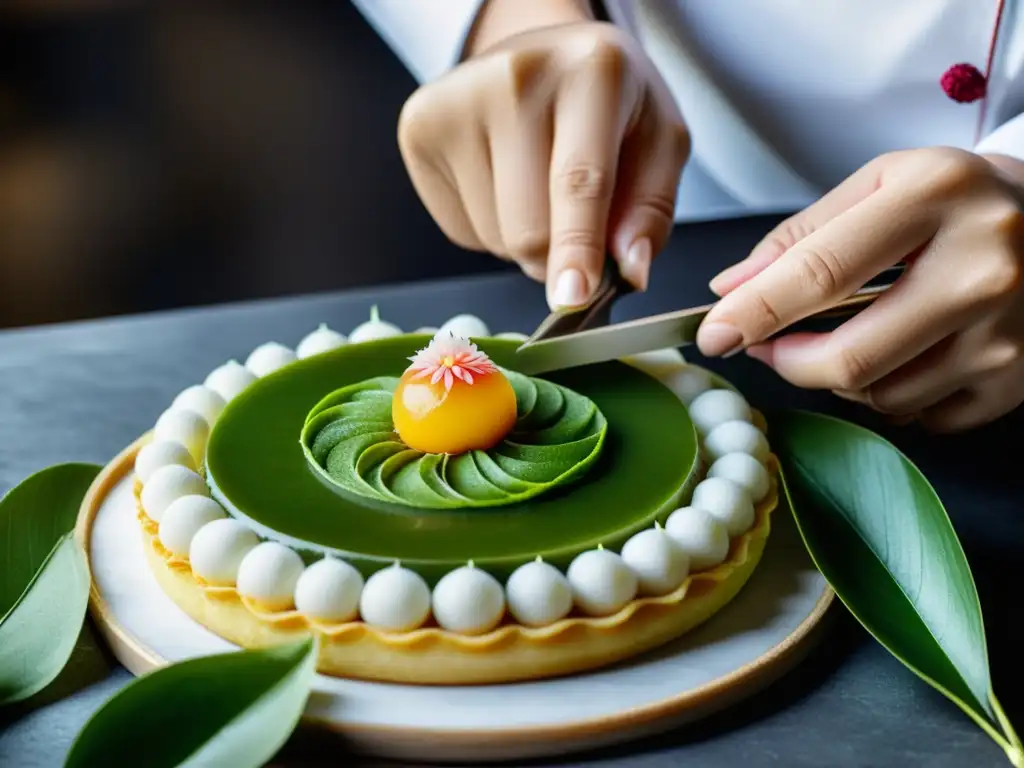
x: 963, y: 83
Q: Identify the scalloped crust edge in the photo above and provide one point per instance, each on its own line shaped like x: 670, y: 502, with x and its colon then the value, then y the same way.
x: 509, y: 653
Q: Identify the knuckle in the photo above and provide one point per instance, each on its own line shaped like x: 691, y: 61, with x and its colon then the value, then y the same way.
x: 949, y: 172
x: 584, y: 182
x: 765, y: 318
x: 1007, y: 223
x: 656, y: 204
x: 785, y: 236
x: 679, y: 141
x: 793, y: 230
x: 582, y: 239
x: 1002, y: 354
x: 606, y: 57
x: 851, y: 368
x: 821, y: 272
x: 415, y: 122
x: 524, y: 71
x: 1000, y: 279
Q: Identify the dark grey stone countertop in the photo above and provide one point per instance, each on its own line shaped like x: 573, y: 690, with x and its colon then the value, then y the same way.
x: 83, y: 391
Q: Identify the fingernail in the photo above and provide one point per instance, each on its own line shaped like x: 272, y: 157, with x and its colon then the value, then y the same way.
x: 638, y: 263
x: 570, y: 289
x: 719, y: 340
x: 720, y: 281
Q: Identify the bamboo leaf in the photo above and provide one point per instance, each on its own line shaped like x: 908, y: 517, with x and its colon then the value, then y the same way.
x: 234, y: 709
x: 879, y: 534
x: 44, y: 578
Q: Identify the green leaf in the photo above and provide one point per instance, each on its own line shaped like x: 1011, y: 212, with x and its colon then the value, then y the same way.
x: 44, y: 578
x: 232, y: 709
x: 879, y: 534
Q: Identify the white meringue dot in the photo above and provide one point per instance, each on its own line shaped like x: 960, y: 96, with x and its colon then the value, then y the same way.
x: 202, y: 400
x: 168, y: 484
x: 701, y: 535
x: 659, y: 563
x: 744, y: 470
x: 329, y: 590
x: 601, y: 582
x: 426, y: 330
x: 395, y: 599
x: 727, y: 501
x: 373, y: 329
x: 185, y: 427
x: 161, y: 453
x: 217, y: 551
x: 659, y: 363
x: 511, y: 336
x: 687, y: 383
x: 269, y: 357
x: 268, y: 574
x: 736, y: 437
x: 717, y: 406
x: 466, y: 326
x: 229, y: 380
x: 538, y: 594
x: 182, y: 520
x: 323, y: 339
x: 468, y: 600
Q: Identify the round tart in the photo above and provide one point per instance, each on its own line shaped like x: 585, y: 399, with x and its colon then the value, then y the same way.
x: 436, y: 517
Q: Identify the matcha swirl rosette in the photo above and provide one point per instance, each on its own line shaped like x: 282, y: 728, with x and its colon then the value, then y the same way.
x: 455, y: 431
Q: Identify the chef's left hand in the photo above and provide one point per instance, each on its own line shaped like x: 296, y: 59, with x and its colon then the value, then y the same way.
x: 945, y: 344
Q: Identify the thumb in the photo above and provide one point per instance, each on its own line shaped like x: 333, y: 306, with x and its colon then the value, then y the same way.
x: 643, y: 211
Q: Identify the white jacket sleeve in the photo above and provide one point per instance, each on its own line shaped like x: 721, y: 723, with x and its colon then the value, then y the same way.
x: 427, y: 35
x: 1006, y: 139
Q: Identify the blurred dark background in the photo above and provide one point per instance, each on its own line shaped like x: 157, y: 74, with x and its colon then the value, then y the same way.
x: 157, y: 155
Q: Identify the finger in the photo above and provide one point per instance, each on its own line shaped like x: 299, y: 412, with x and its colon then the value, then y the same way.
x: 851, y: 191
x: 521, y: 157
x: 826, y: 266
x: 474, y: 180
x: 643, y: 208
x: 900, y: 325
x: 968, y: 409
x: 425, y: 128
x: 588, y: 132
x: 926, y: 380
x: 862, y: 398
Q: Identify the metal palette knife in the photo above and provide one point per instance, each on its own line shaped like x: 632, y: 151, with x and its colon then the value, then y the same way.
x: 584, y: 335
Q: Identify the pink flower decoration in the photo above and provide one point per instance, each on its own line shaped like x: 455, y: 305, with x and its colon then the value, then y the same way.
x: 449, y: 357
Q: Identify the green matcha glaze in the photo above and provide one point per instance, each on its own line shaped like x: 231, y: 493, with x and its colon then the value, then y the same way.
x: 258, y: 467
x: 349, y: 438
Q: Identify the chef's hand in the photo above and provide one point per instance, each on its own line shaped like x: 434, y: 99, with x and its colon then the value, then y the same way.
x: 946, y: 344
x: 547, y: 148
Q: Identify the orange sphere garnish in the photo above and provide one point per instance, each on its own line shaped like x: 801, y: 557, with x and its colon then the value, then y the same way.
x: 453, y: 399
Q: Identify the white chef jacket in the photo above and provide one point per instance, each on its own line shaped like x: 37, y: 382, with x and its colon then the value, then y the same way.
x: 785, y: 98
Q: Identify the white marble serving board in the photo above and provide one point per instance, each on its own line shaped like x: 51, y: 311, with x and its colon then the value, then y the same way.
x: 783, y: 592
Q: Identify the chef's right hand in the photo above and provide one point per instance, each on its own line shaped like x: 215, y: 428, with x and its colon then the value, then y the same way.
x: 550, y: 148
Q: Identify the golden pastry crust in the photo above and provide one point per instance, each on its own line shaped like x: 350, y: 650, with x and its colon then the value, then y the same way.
x: 511, y: 652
